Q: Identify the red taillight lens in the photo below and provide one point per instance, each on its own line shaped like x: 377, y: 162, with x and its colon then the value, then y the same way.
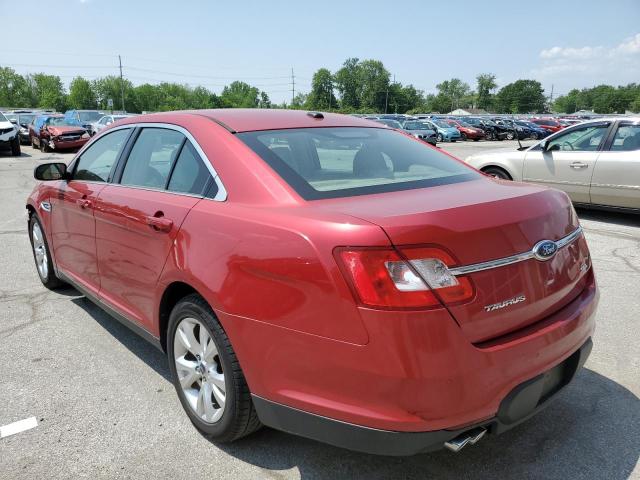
x: 383, y: 278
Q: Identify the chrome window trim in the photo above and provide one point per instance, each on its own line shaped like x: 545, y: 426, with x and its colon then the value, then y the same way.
x: 221, y: 194
x: 520, y: 257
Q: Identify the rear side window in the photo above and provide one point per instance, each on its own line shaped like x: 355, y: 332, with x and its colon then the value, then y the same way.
x: 151, y: 157
x: 189, y: 175
x: 96, y: 161
x: 345, y: 161
x: 626, y: 139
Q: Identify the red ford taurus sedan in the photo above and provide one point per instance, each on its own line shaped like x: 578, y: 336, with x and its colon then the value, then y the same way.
x: 323, y: 274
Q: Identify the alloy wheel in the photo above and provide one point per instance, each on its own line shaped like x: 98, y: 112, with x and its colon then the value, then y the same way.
x: 199, y: 369
x: 40, y: 251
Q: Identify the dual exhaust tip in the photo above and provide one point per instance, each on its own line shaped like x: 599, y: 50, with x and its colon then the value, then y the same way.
x: 470, y: 437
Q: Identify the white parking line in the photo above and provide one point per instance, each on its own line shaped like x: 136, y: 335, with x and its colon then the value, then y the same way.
x: 17, y: 427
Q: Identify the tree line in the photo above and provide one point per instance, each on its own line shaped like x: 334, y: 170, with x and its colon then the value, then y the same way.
x: 359, y: 86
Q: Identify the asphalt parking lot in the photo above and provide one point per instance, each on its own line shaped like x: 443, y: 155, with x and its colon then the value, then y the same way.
x: 106, y: 409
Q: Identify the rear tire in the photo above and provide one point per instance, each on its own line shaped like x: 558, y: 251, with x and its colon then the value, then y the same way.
x: 15, y: 148
x: 43, y: 146
x: 33, y: 143
x: 42, y: 255
x: 204, y: 368
x: 497, y: 172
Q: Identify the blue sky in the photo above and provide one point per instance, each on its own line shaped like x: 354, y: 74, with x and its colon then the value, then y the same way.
x: 564, y: 43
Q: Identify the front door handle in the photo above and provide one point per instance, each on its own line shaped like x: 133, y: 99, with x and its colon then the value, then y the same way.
x: 578, y: 165
x: 160, y: 223
x: 84, y: 203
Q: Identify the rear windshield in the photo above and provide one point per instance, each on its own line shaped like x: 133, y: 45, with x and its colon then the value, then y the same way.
x: 346, y: 161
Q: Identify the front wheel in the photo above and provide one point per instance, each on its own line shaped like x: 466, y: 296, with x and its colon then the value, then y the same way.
x: 510, y: 136
x: 44, y: 148
x: 439, y: 138
x: 15, y: 148
x: 42, y: 255
x: 206, y: 373
x: 497, y: 172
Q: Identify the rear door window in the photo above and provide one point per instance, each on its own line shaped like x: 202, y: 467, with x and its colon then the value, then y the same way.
x: 190, y: 175
x: 626, y: 139
x: 151, y: 158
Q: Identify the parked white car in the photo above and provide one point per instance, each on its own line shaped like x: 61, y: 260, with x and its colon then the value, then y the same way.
x: 105, y: 121
x: 597, y: 163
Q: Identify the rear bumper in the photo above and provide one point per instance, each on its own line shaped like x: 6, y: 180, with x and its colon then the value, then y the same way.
x: 521, y: 403
x: 418, y: 373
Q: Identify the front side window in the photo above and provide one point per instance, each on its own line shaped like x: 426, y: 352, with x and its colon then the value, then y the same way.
x: 96, y: 161
x: 346, y: 161
x: 151, y: 157
x: 585, y: 139
x: 627, y: 138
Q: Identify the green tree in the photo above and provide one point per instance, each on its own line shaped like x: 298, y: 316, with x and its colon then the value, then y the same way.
x: 374, y: 79
x: 321, y: 96
x: 111, y: 87
x: 81, y: 94
x: 521, y: 96
x: 240, y: 95
x: 451, y: 95
x: 50, y: 92
x: 299, y: 102
x: 16, y: 90
x: 349, y: 85
x: 486, y: 84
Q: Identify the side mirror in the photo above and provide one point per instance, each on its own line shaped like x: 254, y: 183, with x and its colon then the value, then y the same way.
x: 14, y: 121
x: 50, y: 171
x: 544, y: 145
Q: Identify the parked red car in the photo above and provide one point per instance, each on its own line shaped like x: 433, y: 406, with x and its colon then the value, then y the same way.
x: 52, y: 132
x: 467, y: 131
x: 548, y: 124
x: 323, y: 274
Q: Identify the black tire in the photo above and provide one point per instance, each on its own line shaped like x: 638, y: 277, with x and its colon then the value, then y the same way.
x: 15, y: 147
x: 463, y: 137
x: 476, y: 139
x: 510, y: 136
x: 497, y: 172
x: 49, y: 280
x: 33, y: 143
x: 43, y: 146
x: 239, y: 417
x: 439, y: 138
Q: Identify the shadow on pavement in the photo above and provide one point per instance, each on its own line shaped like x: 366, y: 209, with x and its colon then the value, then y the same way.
x: 591, y: 430
x: 136, y: 344
x: 617, y: 218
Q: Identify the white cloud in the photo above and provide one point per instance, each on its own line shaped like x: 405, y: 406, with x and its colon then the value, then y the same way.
x: 591, y: 65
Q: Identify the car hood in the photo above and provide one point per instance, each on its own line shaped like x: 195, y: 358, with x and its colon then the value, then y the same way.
x: 59, y: 130
x: 6, y: 124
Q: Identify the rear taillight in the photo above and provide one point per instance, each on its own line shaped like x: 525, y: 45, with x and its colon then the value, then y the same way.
x: 409, y: 278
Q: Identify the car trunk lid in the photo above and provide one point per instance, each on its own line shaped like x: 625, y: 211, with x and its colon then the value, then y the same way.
x: 481, y: 221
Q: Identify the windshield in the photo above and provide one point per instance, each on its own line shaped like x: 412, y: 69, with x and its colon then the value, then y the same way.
x: 390, y: 123
x: 464, y: 124
x: 346, y: 161
x: 442, y: 124
x: 3, y: 118
x: 56, y: 122
x: 26, y: 119
x: 89, y: 116
x: 416, y: 126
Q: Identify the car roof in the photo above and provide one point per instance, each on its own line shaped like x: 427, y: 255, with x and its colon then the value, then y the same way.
x: 251, y: 119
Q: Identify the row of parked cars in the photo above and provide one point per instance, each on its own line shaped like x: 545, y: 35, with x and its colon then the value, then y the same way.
x: 48, y: 130
x: 447, y: 128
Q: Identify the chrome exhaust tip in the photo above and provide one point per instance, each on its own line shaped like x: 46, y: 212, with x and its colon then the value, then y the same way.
x: 470, y: 437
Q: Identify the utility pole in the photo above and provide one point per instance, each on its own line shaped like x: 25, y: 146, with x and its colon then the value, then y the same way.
x: 551, y: 98
x: 121, y: 83
x: 293, y: 86
x: 386, y: 99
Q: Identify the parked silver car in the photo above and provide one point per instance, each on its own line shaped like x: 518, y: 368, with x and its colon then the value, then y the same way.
x: 597, y: 163
x: 105, y: 121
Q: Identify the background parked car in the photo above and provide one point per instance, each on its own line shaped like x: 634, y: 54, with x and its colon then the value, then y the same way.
x: 9, y: 139
x: 548, y: 124
x: 22, y: 121
x: 444, y: 131
x: 597, y: 163
x: 105, y: 121
x: 466, y: 131
x: 82, y: 118
x: 421, y: 130
x: 537, y: 132
x: 49, y: 132
x: 388, y: 122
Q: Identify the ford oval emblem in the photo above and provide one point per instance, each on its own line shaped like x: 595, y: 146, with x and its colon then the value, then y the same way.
x: 545, y: 250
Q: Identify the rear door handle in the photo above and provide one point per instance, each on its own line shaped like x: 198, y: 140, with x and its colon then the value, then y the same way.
x: 578, y: 165
x: 84, y: 203
x: 160, y: 223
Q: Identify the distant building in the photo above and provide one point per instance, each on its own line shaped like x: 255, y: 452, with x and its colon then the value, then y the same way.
x: 469, y: 111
